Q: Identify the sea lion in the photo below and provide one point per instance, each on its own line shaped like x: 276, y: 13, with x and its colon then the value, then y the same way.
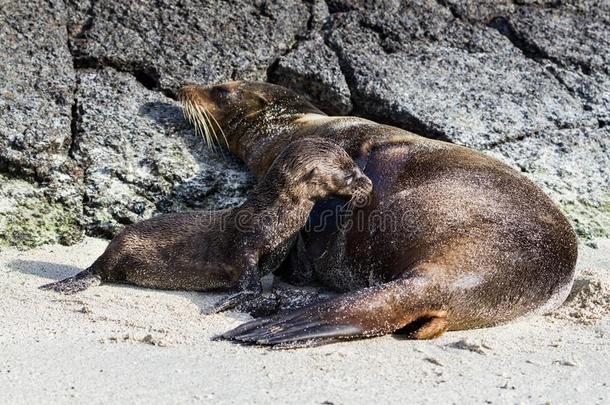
x: 227, y: 249
x: 450, y: 239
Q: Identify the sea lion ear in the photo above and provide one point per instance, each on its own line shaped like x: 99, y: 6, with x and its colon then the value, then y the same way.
x: 262, y: 99
x: 312, y: 173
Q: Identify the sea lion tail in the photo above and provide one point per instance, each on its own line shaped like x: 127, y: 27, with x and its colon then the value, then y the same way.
x: 74, y: 284
x: 398, y: 305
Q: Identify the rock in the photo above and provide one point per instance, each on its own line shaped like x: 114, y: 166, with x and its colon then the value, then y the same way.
x: 547, y: 29
x: 91, y: 139
x: 573, y: 166
x: 40, y: 192
x: 29, y: 218
x: 546, y: 32
x: 313, y: 70
x: 166, y: 43
x: 319, y: 15
x: 142, y: 158
x: 456, y: 89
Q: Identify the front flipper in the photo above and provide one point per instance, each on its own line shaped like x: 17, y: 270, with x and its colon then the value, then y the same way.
x: 369, y: 312
x: 234, y: 300
x: 281, y: 298
x: 250, y: 288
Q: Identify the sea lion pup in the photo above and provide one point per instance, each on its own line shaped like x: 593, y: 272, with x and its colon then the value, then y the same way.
x: 230, y: 248
x: 450, y: 239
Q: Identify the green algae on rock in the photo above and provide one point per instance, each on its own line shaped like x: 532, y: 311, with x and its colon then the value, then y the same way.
x: 28, y: 219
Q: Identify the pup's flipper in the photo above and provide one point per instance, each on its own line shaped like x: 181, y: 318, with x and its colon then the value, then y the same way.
x: 74, y: 284
x: 233, y: 300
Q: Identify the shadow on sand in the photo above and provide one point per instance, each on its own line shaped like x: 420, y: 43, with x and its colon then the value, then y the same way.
x: 53, y: 271
x: 56, y: 271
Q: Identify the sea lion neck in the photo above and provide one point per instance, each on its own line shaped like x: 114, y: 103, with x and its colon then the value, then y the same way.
x: 259, y: 139
x: 272, y: 194
x: 279, y: 210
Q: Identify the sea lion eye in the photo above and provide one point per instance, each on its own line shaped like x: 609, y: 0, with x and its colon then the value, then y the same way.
x: 221, y: 92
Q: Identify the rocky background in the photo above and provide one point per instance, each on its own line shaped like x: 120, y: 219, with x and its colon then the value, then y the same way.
x: 91, y: 138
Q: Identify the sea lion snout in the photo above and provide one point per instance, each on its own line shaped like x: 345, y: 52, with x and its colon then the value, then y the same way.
x: 211, y: 109
x: 358, y: 187
x: 192, y: 91
x: 363, y: 185
x: 363, y: 191
x: 212, y: 99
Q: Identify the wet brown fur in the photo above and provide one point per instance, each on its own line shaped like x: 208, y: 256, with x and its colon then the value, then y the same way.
x: 229, y: 249
x: 475, y: 243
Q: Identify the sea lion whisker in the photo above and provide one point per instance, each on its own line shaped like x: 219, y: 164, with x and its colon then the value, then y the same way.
x: 196, y: 124
x: 191, y: 115
x: 207, y: 115
x: 189, y: 108
x: 220, y: 128
x: 200, y: 119
x: 201, y: 115
x: 213, y: 139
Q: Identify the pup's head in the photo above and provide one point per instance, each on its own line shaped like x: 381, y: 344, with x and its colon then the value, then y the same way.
x: 317, y: 168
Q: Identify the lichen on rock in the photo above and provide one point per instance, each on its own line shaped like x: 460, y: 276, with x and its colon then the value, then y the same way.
x: 29, y: 219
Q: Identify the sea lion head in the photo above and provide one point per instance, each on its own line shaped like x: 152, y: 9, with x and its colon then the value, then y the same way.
x: 317, y: 168
x: 220, y: 112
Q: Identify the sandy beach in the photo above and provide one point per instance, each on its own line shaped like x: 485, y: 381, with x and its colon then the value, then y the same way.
x: 130, y: 345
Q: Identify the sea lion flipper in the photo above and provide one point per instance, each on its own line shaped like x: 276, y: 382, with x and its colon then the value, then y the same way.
x: 369, y: 312
x: 250, y: 287
x: 303, y: 325
x: 232, y: 301
x: 74, y: 284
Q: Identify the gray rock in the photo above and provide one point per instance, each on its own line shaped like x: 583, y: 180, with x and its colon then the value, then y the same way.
x: 90, y: 137
x: 31, y: 216
x: 573, y: 166
x: 141, y: 158
x: 167, y: 42
x: 457, y: 90
x: 40, y: 197
x: 319, y: 15
x: 313, y: 70
x: 571, y: 39
x: 571, y: 33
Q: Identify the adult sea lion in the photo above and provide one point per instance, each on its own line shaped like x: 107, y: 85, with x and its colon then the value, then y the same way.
x: 227, y: 249
x: 451, y: 238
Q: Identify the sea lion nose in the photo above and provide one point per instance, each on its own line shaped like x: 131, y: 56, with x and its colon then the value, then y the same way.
x: 365, y: 183
x: 364, y: 188
x: 187, y: 90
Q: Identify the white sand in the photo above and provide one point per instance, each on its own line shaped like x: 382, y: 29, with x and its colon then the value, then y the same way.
x: 117, y: 344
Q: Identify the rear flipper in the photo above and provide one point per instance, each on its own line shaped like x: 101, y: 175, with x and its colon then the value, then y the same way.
x: 369, y: 312
x: 74, y: 284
